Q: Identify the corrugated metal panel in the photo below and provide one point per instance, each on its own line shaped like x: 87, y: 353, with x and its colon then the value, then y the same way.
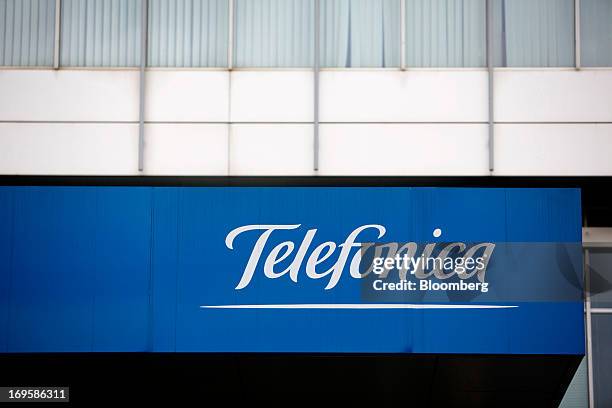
x: 188, y: 33
x: 445, y: 33
x: 26, y: 32
x: 101, y: 33
x: 274, y: 33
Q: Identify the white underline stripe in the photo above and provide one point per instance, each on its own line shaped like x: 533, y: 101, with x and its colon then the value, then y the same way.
x: 358, y: 306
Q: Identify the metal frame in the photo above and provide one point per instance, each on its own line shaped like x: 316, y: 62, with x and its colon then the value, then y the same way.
x: 143, y: 64
x: 317, y: 69
x: 230, y: 35
x: 403, y: 35
x: 593, y: 238
x: 577, y: 50
x: 57, y: 32
x: 491, y: 84
x: 597, y: 244
x: 598, y: 237
x: 230, y: 66
x: 588, y: 327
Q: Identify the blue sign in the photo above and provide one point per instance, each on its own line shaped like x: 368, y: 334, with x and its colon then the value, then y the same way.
x: 291, y: 269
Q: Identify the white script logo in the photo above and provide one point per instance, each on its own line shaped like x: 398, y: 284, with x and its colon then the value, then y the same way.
x: 324, y: 251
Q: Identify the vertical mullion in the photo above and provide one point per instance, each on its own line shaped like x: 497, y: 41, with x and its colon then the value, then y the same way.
x: 230, y: 66
x: 143, y: 62
x: 577, y: 50
x: 588, y: 328
x: 56, y: 31
x: 491, y: 75
x: 403, y: 35
x: 230, y: 35
x: 317, y: 48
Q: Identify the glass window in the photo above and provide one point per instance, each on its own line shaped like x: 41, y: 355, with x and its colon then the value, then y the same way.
x: 274, y: 33
x: 577, y: 394
x: 101, y: 33
x: 602, y: 360
x: 596, y: 33
x: 188, y: 33
x: 532, y: 33
x: 600, y: 267
x: 27, y: 30
x: 445, y: 33
x: 360, y: 33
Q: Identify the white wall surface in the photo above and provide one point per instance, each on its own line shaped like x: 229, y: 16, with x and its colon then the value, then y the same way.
x: 187, y: 96
x: 409, y: 96
x: 553, y: 95
x: 401, y: 149
x: 68, y: 149
x: 553, y: 149
x: 68, y: 95
x: 272, y: 96
x: 186, y: 149
x: 271, y: 150
x: 214, y: 122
